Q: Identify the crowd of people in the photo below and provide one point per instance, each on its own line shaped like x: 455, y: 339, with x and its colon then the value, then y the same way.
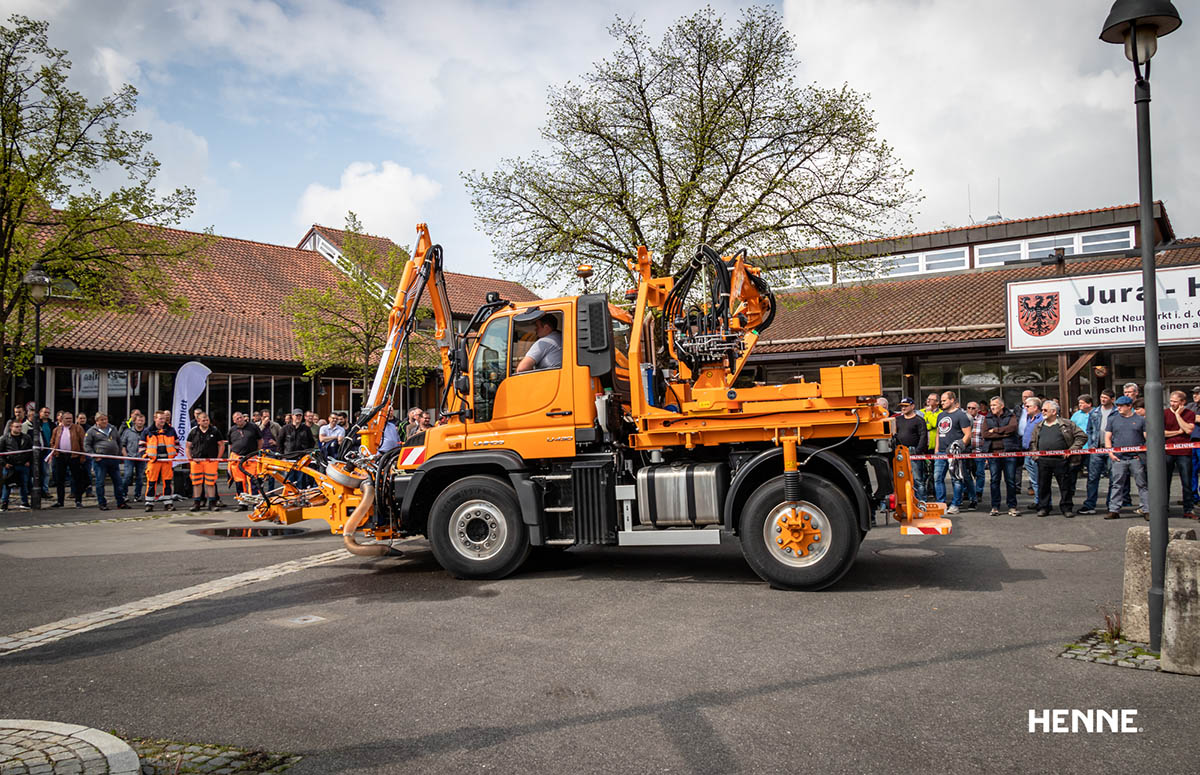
x: 86, y: 456
x: 1114, y: 423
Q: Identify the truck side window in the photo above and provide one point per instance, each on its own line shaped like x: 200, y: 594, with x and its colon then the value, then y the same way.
x: 539, y: 341
x: 489, y: 368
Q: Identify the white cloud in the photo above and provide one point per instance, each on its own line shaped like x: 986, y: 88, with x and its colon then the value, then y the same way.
x: 968, y: 95
x: 115, y: 68
x: 388, y: 200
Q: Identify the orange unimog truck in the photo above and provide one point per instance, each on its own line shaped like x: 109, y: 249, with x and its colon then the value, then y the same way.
x: 575, y: 421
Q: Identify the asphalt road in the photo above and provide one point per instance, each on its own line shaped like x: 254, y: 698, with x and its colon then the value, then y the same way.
x: 595, y: 660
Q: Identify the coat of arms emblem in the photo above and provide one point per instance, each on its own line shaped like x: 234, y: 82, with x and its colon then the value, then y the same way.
x: 1038, y: 313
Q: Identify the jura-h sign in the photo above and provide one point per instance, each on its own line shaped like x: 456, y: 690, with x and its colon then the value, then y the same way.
x: 1101, y: 310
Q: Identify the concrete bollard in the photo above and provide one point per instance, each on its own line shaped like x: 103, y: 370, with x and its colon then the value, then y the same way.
x: 1135, y: 618
x: 1181, y: 608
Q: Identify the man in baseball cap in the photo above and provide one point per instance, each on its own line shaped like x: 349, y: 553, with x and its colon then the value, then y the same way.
x: 1126, y: 430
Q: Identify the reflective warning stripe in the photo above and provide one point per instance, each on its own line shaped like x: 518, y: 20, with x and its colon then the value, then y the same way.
x: 412, y: 457
x: 922, y: 530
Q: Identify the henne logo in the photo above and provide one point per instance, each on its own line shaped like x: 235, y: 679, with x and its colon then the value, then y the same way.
x: 1091, y: 720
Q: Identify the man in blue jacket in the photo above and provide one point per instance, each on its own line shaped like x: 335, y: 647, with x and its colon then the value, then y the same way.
x: 1098, y: 465
x: 1028, y: 421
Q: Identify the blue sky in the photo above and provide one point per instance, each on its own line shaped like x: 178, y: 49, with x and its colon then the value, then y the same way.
x: 279, y: 114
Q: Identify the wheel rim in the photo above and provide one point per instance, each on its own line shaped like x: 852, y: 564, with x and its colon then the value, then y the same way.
x: 478, y: 530
x: 798, y: 540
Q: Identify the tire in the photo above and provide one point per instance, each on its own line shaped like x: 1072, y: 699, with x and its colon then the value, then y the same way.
x: 827, y: 559
x: 476, y: 531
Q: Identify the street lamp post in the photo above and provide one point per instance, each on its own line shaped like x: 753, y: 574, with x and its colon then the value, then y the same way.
x: 1138, y: 24
x: 38, y: 283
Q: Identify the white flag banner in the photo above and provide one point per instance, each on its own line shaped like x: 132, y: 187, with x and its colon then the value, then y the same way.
x: 189, y: 384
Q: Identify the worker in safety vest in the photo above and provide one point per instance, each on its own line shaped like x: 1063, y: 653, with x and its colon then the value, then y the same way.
x: 205, y: 446
x: 245, y: 439
x: 160, y: 443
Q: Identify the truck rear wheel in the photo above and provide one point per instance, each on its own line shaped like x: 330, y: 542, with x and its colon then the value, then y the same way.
x: 806, y: 551
x: 475, y: 529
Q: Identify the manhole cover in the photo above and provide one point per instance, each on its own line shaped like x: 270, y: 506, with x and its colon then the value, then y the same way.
x: 248, y: 532
x: 1069, y: 548
x: 907, y: 551
x: 308, y: 619
x: 195, y: 522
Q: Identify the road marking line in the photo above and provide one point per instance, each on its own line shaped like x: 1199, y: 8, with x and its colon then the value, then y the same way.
x: 65, y: 628
x: 109, y: 521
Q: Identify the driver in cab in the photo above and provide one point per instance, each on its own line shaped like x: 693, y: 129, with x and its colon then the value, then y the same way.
x: 546, y: 352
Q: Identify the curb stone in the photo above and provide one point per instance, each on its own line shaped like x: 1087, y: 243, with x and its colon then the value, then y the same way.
x: 28, y: 746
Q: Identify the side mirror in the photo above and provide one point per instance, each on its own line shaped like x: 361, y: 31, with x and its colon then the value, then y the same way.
x: 462, y: 384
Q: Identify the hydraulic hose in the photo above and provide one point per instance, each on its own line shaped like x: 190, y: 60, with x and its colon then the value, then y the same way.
x: 357, y: 517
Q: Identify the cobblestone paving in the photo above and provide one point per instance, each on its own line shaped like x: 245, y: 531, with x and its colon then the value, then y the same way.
x: 42, y: 748
x: 65, y: 628
x: 166, y: 757
x: 1093, y: 647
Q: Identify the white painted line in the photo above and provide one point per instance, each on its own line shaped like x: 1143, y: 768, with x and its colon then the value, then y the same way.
x: 65, y: 628
x: 109, y: 521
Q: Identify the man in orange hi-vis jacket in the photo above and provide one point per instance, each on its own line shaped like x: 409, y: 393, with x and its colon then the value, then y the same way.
x: 160, y: 441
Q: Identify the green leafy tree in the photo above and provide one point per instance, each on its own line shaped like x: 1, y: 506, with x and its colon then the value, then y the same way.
x: 345, y: 327
x: 703, y: 138
x: 97, y: 244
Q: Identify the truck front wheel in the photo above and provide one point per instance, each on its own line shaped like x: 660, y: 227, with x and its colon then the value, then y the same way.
x: 475, y: 529
x: 806, y: 549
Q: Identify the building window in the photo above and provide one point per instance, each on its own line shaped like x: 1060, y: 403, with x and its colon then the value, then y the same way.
x: 283, y: 397
x: 1040, y: 248
x: 217, y: 404
x: 239, y: 395
x: 895, y: 266
x: 1104, y: 241
x: 166, y: 393
x: 980, y: 380
x: 945, y: 260
x: 901, y: 265
x: 995, y: 255
x: 1072, y: 245
x: 64, y: 391
x: 262, y: 395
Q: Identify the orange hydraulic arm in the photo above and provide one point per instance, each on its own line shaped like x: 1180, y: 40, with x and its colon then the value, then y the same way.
x: 426, y: 263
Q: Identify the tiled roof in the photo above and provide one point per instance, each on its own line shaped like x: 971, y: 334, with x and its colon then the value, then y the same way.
x: 234, y: 297
x: 880, y: 311
x: 466, y: 291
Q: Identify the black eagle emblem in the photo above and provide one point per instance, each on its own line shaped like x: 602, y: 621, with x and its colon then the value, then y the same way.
x: 1038, y: 313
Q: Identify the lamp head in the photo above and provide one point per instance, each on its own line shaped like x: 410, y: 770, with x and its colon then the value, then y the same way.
x: 1151, y: 18
x: 38, y: 283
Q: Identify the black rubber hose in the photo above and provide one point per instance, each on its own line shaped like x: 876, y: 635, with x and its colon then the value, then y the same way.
x: 385, y: 496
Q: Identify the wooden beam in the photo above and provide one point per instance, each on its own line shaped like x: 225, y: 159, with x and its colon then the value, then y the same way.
x: 1077, y: 366
x: 1063, y: 384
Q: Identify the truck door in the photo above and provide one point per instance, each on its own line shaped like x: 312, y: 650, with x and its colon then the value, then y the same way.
x: 518, y: 405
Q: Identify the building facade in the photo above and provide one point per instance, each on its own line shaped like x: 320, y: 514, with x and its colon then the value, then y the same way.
x: 931, y: 309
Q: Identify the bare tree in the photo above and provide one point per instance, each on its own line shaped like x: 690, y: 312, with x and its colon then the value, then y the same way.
x: 703, y: 138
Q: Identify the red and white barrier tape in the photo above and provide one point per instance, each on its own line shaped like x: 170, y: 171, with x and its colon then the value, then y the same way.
x: 1050, y: 453
x: 177, y: 461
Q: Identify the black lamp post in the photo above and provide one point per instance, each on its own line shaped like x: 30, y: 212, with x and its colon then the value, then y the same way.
x: 38, y: 283
x: 1138, y: 24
